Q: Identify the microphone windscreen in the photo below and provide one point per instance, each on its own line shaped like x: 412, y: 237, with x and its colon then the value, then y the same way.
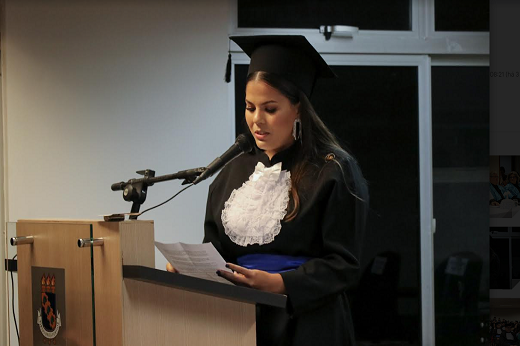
x: 243, y: 143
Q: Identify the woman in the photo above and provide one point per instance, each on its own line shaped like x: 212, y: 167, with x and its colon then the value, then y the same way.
x: 290, y: 216
x: 513, y: 186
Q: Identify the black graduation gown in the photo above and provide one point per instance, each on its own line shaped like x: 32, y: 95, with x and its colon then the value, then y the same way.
x: 329, y: 228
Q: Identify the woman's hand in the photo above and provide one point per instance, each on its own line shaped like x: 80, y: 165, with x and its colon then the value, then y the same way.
x: 171, y: 268
x: 253, y: 278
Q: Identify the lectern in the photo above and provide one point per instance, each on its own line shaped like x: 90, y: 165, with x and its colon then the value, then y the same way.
x: 95, y: 283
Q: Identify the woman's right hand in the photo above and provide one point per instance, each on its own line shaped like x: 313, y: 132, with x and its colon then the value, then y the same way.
x: 171, y: 268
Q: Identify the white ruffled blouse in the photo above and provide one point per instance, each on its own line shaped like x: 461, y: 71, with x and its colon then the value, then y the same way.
x: 253, y: 212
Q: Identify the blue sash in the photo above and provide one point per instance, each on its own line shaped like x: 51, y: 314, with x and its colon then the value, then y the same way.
x: 271, y: 263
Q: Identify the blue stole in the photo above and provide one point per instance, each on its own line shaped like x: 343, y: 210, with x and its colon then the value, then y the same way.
x: 271, y: 263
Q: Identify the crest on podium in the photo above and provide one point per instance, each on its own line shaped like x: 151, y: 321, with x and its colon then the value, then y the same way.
x: 48, y: 305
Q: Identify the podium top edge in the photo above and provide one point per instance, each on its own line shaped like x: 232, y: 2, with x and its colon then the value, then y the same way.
x: 222, y: 290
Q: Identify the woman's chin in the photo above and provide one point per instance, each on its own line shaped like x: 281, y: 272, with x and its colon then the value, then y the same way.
x: 261, y: 144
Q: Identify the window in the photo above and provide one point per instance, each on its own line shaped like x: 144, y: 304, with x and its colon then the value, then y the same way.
x: 406, y: 104
x: 462, y: 15
x: 364, y: 14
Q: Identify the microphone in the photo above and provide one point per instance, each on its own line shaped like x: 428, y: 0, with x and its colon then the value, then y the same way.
x: 241, y: 145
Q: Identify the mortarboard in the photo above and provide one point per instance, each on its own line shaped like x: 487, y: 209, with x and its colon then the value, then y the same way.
x: 289, y: 56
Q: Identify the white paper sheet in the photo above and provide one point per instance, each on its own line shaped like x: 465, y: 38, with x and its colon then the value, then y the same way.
x: 198, y: 260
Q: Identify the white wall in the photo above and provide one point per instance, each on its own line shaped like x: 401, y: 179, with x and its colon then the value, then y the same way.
x: 4, y: 297
x: 97, y: 90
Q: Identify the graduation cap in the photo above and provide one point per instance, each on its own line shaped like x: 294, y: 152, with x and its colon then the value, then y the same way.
x: 291, y: 57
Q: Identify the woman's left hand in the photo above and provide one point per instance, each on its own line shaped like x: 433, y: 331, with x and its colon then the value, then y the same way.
x: 253, y: 278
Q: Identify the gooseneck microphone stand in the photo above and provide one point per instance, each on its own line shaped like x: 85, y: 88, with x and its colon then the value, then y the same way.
x: 134, y: 190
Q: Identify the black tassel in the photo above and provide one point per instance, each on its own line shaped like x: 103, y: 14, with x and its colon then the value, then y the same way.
x: 227, y: 78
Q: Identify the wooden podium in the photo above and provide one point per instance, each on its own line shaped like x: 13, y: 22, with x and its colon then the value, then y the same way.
x: 108, y: 292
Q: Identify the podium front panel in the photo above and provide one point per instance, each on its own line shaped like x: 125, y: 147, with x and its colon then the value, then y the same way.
x: 54, y: 284
x: 162, y: 315
x: 124, y: 242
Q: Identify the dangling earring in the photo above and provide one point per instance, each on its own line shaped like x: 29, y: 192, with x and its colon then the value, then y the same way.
x: 297, y: 129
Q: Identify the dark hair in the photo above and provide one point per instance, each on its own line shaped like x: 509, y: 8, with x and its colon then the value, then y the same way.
x: 317, y: 140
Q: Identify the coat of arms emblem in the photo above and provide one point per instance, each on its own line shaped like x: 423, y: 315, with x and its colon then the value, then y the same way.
x: 49, y: 319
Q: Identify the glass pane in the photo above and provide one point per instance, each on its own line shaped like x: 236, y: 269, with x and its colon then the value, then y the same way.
x: 364, y: 14
x: 499, y: 263
x: 91, y: 236
x: 515, y: 260
x: 374, y: 111
x: 460, y: 120
x: 12, y: 284
x: 462, y: 15
x: 460, y: 105
x: 10, y: 233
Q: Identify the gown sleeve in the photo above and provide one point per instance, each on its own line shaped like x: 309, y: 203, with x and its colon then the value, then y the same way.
x: 320, y: 280
x: 211, y: 230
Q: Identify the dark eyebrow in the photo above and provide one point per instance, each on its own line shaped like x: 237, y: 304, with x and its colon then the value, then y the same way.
x: 266, y: 102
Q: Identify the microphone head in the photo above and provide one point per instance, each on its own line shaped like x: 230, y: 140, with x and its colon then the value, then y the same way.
x: 243, y: 143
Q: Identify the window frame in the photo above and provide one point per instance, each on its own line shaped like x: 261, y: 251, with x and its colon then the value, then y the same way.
x: 422, y: 47
x: 423, y: 64
x: 422, y: 39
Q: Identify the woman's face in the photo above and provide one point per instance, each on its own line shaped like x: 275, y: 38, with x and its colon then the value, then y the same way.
x: 270, y: 117
x: 512, y: 179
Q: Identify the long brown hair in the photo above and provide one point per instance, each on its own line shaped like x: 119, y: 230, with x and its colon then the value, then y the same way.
x: 317, y: 140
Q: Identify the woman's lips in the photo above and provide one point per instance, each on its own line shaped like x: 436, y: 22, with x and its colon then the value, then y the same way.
x: 261, y: 135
